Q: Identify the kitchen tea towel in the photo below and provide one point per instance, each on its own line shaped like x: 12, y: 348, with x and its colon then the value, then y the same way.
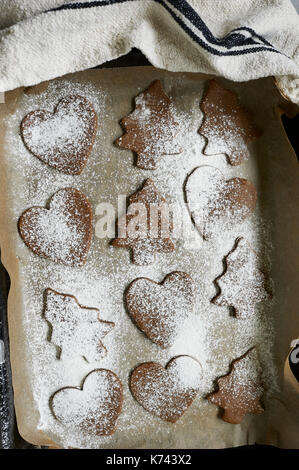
x: 44, y: 39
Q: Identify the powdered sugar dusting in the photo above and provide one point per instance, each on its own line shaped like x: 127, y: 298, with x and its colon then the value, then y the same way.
x: 230, y: 141
x: 62, y: 232
x: 216, y: 203
x: 227, y: 126
x: 241, y: 390
x: 160, y: 310
x: 62, y: 139
x: 243, y: 284
x: 147, y: 208
x: 101, y: 397
x: 167, y: 393
x: 101, y: 282
x: 76, y: 330
x: 160, y: 136
x: 151, y: 130
x: 187, y: 373
x: 245, y: 378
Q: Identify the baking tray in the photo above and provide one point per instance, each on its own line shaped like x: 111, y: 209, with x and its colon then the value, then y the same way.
x: 9, y: 436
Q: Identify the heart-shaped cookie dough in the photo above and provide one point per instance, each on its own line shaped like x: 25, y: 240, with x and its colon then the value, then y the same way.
x: 62, y: 139
x: 166, y: 392
x: 63, y: 232
x: 94, y: 408
x: 217, y: 204
x: 159, y: 310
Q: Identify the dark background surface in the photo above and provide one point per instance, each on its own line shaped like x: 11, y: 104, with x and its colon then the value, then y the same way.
x: 9, y: 437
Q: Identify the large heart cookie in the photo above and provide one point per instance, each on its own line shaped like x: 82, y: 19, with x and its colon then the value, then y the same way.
x: 62, y: 139
x: 160, y: 310
x: 166, y: 392
x: 63, y: 232
x: 94, y: 408
x: 217, y: 204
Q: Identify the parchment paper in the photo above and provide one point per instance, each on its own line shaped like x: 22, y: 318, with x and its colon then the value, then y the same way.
x: 37, y: 373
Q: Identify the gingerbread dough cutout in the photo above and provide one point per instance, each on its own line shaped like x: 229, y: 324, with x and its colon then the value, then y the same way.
x: 92, y: 408
x: 216, y: 203
x: 166, y: 392
x: 63, y: 139
x: 76, y: 330
x: 240, y: 391
x: 243, y: 283
x: 146, y: 227
x: 160, y: 309
x: 150, y: 130
x: 227, y: 126
x: 61, y: 233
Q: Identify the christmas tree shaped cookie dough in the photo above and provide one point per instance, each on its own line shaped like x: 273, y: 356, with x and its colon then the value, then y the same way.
x: 76, y: 330
x: 146, y: 227
x: 227, y: 126
x: 150, y: 130
x: 243, y: 283
x: 240, y: 391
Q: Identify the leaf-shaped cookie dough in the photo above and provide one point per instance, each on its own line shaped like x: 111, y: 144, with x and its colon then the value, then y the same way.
x: 227, y: 126
x: 151, y: 129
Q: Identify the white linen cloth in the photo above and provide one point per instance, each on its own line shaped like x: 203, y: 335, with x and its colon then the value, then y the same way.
x: 240, y: 40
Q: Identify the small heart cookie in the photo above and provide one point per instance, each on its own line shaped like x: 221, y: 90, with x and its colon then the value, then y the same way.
x: 216, y: 203
x: 166, y: 392
x: 160, y: 309
x: 95, y: 407
x: 63, y: 232
x: 62, y: 139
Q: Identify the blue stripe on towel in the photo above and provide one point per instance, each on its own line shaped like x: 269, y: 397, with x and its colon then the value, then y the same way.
x: 245, y: 38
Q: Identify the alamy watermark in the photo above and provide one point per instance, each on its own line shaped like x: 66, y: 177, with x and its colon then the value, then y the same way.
x: 294, y: 356
x: 147, y: 220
